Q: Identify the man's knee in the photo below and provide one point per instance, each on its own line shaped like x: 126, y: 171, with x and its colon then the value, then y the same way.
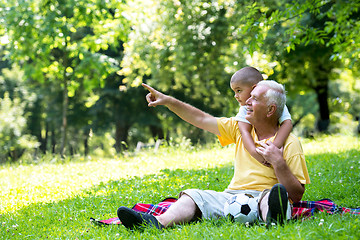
x: 190, y: 204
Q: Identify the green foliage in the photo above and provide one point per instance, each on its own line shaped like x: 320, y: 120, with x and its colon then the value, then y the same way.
x: 189, y: 49
x: 12, y: 80
x: 13, y: 138
x: 194, y: 47
x: 300, y: 41
x: 185, y: 50
x: 345, y: 93
x: 59, y: 201
x: 61, y: 42
x: 58, y: 39
x: 339, y: 31
x: 102, y: 146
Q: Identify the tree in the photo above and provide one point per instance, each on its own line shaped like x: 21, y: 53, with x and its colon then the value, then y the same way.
x: 192, y: 46
x: 307, y: 66
x: 309, y: 44
x: 186, y: 49
x: 59, y: 41
x: 13, y: 138
x: 305, y: 39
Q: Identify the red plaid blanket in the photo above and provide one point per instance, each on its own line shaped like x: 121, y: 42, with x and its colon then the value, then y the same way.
x: 302, y: 209
x: 305, y: 209
x: 154, y: 209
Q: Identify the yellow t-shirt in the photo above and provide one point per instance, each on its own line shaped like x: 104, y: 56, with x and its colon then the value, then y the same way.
x: 249, y: 174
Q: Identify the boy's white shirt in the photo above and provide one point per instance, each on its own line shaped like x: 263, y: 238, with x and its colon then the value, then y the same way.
x: 240, y: 117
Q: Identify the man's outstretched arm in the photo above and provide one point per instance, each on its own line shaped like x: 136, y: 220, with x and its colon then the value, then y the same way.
x: 185, y: 111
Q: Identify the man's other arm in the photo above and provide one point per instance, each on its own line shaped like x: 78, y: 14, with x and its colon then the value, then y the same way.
x: 274, y: 156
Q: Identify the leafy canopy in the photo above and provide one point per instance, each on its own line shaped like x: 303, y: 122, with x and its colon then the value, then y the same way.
x: 57, y: 39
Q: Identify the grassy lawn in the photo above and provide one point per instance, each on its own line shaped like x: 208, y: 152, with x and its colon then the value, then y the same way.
x: 55, y: 200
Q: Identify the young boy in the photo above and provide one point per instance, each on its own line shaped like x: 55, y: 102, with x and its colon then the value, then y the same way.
x: 242, y: 83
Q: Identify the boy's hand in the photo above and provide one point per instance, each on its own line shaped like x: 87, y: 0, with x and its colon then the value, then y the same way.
x: 154, y: 98
x: 266, y: 163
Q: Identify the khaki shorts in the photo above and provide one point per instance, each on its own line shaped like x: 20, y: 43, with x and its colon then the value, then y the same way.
x: 211, y: 203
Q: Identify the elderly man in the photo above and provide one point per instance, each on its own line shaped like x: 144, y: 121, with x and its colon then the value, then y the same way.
x: 273, y: 185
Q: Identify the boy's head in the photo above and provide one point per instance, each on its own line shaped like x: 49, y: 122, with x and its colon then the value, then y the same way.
x: 243, y: 81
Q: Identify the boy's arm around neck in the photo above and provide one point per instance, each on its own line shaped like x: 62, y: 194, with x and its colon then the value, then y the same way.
x: 249, y: 143
x: 283, y: 133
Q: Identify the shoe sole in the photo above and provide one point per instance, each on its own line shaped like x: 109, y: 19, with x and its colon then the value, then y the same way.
x: 278, y: 204
x: 128, y: 218
x: 132, y: 219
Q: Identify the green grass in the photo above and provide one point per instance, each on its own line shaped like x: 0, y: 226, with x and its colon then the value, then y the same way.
x: 55, y: 200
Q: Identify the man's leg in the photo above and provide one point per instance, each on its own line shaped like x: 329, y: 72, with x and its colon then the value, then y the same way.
x: 184, y: 210
x: 263, y: 206
x: 274, y: 206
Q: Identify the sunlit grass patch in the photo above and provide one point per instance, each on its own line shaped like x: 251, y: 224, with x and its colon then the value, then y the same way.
x: 329, y: 144
x: 21, y: 185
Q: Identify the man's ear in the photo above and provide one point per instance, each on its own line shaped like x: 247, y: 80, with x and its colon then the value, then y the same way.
x: 271, y: 110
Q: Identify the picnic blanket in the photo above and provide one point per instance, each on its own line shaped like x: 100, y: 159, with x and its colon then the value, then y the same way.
x: 153, y: 209
x: 305, y: 209
x: 301, y: 210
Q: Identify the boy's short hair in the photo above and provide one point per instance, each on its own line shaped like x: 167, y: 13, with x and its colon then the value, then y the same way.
x: 275, y: 95
x: 247, y: 75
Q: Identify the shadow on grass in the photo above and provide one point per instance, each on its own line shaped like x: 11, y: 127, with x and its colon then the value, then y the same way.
x: 334, y: 176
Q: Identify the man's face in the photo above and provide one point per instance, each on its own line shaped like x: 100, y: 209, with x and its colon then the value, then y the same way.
x: 257, y: 105
x: 242, y: 91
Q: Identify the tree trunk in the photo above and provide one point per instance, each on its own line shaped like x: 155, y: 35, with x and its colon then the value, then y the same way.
x: 43, y: 145
x: 64, y: 117
x: 322, y: 93
x: 86, y: 142
x: 121, y: 135
x: 35, y: 125
x: 53, y: 140
x: 157, y: 132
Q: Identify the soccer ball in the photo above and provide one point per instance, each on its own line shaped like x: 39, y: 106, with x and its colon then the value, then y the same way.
x: 242, y: 208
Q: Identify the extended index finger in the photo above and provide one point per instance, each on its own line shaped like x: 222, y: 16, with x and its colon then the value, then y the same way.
x: 148, y: 87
